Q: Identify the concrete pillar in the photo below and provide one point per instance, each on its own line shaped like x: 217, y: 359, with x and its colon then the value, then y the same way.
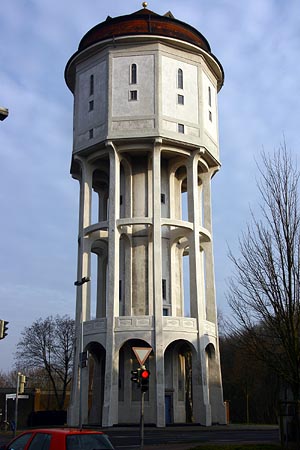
x: 110, y: 406
x: 157, y: 287
x: 82, y: 292
x: 201, y: 395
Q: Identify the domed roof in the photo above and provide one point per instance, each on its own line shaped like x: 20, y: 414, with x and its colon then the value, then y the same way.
x: 143, y: 22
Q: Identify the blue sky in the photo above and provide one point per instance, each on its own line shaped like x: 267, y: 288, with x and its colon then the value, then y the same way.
x: 258, y: 44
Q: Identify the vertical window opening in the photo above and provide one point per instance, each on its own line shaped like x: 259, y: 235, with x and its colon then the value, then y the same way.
x: 92, y: 85
x: 133, y: 74
x: 91, y: 105
x: 163, y: 198
x: 209, y: 95
x: 180, y: 99
x: 120, y: 291
x: 164, y: 289
x: 180, y: 79
x: 91, y: 133
x: 181, y: 128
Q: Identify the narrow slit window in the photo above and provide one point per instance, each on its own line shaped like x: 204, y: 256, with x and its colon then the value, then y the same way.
x: 180, y: 79
x: 120, y: 290
x: 133, y: 74
x: 209, y: 96
x: 210, y: 115
x: 91, y: 133
x: 91, y: 105
x: 163, y: 198
x: 133, y: 95
x: 92, y: 85
x: 164, y: 289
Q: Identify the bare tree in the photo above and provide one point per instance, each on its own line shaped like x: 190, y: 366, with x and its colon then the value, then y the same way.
x: 8, y: 379
x: 48, y: 345
x: 264, y: 290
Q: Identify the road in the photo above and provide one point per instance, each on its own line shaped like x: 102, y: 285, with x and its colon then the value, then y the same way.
x: 182, y: 438
x: 128, y: 438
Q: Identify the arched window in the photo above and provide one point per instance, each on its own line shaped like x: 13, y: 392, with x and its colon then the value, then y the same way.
x: 180, y: 79
x: 133, y: 74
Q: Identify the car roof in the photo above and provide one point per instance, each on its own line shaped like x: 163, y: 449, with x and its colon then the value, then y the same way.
x: 65, y: 431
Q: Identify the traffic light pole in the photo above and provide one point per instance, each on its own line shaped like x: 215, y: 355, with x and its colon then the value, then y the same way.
x: 142, y: 420
x: 16, y: 404
x: 140, y: 376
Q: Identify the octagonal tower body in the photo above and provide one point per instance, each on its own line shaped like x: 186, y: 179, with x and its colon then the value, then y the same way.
x: 145, y: 149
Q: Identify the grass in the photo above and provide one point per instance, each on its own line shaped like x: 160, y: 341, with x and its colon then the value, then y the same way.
x: 237, y: 447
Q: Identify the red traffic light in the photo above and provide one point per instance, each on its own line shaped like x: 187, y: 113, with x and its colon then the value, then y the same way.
x: 145, y: 374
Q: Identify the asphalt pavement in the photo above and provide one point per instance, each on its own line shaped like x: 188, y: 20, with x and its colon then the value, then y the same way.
x: 187, y: 437
x: 184, y: 437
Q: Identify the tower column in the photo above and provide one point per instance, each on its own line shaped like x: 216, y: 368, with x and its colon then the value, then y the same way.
x: 110, y: 406
x: 215, y: 382
x: 201, y: 407
x: 81, y: 291
x: 157, y: 286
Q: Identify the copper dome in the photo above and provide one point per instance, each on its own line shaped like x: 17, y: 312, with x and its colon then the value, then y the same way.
x: 143, y: 22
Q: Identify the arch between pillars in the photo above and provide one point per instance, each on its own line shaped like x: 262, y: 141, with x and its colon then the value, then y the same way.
x: 129, y: 395
x: 95, y: 380
x: 179, y: 359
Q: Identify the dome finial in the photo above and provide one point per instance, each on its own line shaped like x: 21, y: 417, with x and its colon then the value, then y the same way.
x: 145, y: 4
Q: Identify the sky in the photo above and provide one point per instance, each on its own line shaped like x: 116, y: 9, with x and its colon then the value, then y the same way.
x: 258, y: 45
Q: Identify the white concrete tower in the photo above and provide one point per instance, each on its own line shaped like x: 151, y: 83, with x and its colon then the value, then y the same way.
x: 145, y: 150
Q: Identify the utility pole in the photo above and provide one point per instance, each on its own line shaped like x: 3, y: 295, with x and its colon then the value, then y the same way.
x: 82, y: 354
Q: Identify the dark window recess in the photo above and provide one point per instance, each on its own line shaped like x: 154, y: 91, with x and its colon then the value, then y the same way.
x: 210, y: 115
x: 91, y: 105
x: 91, y: 133
x: 121, y: 199
x: 120, y: 290
x: 180, y: 99
x: 165, y: 312
x: 163, y: 198
x: 180, y: 79
x: 92, y: 85
x: 164, y: 288
x: 180, y: 128
x: 133, y: 95
x: 133, y: 73
x: 209, y: 95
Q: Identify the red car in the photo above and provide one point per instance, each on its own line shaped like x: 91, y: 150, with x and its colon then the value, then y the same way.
x: 59, y: 439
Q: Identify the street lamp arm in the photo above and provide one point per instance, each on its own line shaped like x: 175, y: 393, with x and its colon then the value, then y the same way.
x: 82, y: 281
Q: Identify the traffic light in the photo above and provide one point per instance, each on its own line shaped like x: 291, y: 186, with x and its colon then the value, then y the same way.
x: 144, y: 376
x: 3, y: 328
x: 136, y: 376
x: 22, y: 381
x: 83, y: 359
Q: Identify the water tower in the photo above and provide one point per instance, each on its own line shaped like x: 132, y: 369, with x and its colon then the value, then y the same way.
x: 145, y: 150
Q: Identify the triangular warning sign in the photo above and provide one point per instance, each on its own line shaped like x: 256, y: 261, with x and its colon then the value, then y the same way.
x: 142, y: 353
